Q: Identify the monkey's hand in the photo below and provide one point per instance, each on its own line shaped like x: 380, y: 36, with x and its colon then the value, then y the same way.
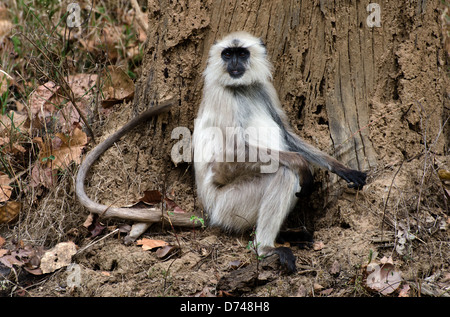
x: 354, y: 178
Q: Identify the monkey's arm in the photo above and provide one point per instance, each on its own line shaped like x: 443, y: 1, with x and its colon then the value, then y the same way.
x: 356, y: 179
x: 228, y: 172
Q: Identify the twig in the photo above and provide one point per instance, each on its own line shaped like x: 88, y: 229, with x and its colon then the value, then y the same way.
x: 96, y: 241
x: 387, y: 198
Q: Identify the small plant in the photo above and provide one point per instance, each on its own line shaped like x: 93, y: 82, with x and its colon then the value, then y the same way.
x: 253, y: 246
x: 196, y: 219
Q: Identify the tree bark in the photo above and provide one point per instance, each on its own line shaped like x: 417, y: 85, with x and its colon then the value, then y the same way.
x: 341, y: 81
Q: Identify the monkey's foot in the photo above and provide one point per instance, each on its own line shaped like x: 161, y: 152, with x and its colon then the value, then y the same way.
x: 287, y: 258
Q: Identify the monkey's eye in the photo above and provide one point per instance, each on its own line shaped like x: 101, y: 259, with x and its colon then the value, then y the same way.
x: 226, y: 54
x: 242, y: 54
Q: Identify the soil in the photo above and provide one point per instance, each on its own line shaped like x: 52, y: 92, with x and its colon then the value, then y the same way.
x: 348, y: 230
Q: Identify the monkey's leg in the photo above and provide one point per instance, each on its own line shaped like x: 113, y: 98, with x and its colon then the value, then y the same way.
x: 277, y: 202
x: 235, y: 206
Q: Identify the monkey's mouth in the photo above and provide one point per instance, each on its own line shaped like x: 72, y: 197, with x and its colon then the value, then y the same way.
x: 235, y: 73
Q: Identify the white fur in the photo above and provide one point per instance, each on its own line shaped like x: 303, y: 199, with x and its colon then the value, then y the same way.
x: 266, y: 200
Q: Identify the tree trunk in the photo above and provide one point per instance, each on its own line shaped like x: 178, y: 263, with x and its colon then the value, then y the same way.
x: 359, y: 92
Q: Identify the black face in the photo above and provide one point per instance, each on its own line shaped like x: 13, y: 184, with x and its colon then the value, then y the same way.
x: 236, y: 59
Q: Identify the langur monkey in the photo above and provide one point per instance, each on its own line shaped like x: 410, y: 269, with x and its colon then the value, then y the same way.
x: 239, y: 100
x: 240, y: 118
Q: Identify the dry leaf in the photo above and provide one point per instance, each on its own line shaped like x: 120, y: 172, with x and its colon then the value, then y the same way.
x: 2, y: 241
x: 9, y: 211
x: 117, y: 86
x: 384, y: 279
x: 63, y: 149
x: 42, y: 175
x: 58, y: 257
x: 106, y: 42
x: 149, y: 244
x: 5, y: 189
x: 93, y: 224
x: 317, y: 287
x: 71, y: 149
x: 13, y: 148
x: 42, y: 102
x: 12, y: 258
x: 166, y: 251
x: 151, y: 197
x: 326, y: 292
x: 48, y: 101
x: 20, y: 256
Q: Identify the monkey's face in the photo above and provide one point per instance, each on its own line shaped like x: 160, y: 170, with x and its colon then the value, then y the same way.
x: 236, y: 60
x: 239, y: 59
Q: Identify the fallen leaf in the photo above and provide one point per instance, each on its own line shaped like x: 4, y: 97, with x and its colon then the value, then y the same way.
x: 5, y: 189
x: 149, y: 244
x: 93, y: 224
x: 151, y: 197
x: 21, y: 256
x: 89, y: 220
x: 2, y: 241
x: 62, y: 150
x: 9, y: 211
x: 383, y: 278
x: 42, y: 101
x: 11, y: 147
x: 11, y: 258
x: 42, y: 175
x: 117, y: 86
x: 166, y: 251
x: 317, y: 287
x: 48, y: 102
x: 58, y: 257
x: 105, y: 42
x: 326, y: 292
